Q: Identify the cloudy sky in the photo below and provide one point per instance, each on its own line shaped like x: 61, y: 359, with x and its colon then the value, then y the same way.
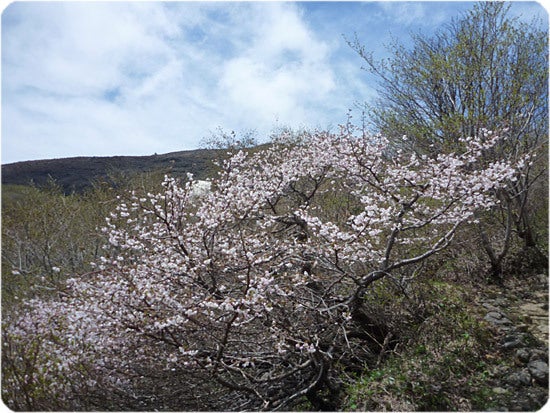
x: 135, y: 78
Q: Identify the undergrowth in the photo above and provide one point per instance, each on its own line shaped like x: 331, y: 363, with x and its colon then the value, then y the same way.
x: 444, y: 360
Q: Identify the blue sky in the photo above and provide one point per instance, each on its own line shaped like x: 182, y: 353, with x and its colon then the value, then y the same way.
x: 135, y: 78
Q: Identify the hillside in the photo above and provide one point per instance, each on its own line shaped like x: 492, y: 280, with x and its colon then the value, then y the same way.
x: 76, y: 174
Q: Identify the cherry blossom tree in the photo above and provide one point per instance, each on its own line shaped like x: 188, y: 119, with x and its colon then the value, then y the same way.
x: 249, y: 296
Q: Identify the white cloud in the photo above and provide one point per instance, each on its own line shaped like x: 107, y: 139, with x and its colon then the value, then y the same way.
x: 409, y: 13
x: 104, y: 78
x: 283, y: 71
x: 79, y: 47
x: 138, y: 78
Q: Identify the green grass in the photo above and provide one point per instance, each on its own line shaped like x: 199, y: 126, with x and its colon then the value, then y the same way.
x: 443, y: 364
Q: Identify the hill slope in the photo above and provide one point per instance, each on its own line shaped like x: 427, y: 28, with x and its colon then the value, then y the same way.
x: 76, y: 174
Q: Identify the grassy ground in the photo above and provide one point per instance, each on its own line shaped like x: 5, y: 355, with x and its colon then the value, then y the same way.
x: 449, y: 358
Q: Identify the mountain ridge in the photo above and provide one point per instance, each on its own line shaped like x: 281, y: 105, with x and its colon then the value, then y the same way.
x: 76, y: 174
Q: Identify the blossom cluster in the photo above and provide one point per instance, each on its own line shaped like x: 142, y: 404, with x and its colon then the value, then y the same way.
x: 254, y: 279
